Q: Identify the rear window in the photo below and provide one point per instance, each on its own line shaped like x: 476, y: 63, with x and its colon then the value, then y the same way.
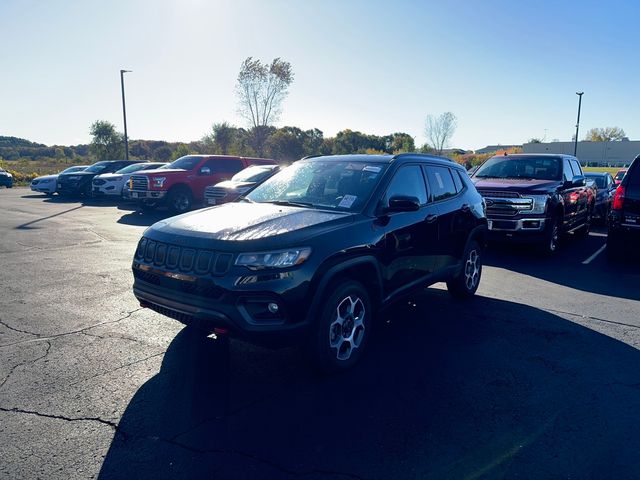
x: 632, y: 178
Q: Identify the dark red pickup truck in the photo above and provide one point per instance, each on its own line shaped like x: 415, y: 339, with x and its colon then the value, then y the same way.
x: 535, y: 198
x: 181, y: 184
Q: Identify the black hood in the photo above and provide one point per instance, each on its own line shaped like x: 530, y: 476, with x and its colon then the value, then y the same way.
x: 241, y: 225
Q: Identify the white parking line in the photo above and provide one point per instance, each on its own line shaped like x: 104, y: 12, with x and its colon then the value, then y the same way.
x: 592, y: 257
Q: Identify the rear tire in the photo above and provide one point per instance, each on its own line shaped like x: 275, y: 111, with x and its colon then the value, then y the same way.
x: 180, y: 200
x: 466, y: 282
x: 342, y: 328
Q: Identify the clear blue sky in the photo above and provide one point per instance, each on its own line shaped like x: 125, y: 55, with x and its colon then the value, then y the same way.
x: 508, y: 70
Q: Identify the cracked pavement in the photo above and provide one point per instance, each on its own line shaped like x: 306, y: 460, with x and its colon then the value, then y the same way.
x: 535, y: 378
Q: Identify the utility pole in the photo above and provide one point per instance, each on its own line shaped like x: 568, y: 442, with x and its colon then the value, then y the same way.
x: 124, y: 114
x: 575, y: 144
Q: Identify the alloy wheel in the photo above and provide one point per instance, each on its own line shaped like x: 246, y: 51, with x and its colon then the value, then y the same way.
x: 347, y: 329
x: 472, y: 270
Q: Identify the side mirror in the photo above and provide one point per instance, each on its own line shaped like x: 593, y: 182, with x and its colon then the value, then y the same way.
x: 205, y: 171
x: 579, y: 181
x: 403, y: 203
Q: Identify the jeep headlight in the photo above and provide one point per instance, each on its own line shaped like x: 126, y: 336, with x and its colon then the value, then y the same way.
x: 539, y: 203
x: 158, y: 182
x: 274, y: 259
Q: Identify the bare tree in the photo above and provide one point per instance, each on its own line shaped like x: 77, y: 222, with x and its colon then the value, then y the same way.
x: 261, y: 89
x: 439, y: 130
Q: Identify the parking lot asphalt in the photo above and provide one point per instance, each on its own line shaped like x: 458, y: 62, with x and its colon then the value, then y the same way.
x: 536, y: 377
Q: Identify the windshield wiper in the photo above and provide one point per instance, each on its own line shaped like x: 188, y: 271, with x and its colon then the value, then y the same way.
x: 291, y: 204
x: 242, y: 198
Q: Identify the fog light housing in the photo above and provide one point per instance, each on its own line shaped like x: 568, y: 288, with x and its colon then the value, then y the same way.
x: 273, y: 308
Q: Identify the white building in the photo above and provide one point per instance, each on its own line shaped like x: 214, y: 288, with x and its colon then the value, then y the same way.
x: 605, y: 154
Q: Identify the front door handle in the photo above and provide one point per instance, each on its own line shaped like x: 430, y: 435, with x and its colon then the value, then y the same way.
x: 431, y: 218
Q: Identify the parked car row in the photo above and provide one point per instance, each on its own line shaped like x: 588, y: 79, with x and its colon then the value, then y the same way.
x: 6, y: 179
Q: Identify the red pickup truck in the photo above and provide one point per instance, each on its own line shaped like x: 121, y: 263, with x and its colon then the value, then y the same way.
x: 181, y: 184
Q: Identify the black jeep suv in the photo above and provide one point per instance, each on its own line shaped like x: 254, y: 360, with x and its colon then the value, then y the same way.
x: 80, y: 183
x: 624, y: 217
x: 311, y: 254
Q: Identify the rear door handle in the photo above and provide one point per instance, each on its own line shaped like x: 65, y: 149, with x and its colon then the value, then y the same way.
x: 431, y: 218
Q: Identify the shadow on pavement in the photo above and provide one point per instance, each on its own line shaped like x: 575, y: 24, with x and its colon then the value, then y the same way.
x: 484, y: 389
x: 143, y: 219
x: 566, y: 267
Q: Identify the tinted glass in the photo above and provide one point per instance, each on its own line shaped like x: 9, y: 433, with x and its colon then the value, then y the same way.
x: 632, y: 179
x: 540, y: 168
x: 620, y: 175
x: 132, y: 168
x: 457, y: 180
x: 77, y: 168
x: 440, y: 183
x: 408, y: 181
x: 185, y: 163
x: 601, y: 182
x: 252, y: 174
x: 568, y: 171
x: 336, y: 185
x: 98, y: 167
x: 575, y: 166
x: 224, y: 165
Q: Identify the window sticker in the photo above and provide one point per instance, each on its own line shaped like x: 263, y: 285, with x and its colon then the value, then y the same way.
x: 347, y: 201
x: 371, y: 168
x: 439, y: 179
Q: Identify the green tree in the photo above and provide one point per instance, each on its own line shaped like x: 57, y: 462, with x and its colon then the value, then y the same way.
x: 180, y: 151
x: 606, y: 134
x: 535, y: 140
x: 162, y: 154
x: 401, y: 142
x: 220, y: 139
x: 107, y: 143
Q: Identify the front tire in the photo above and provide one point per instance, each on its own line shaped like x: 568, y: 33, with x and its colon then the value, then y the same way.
x: 180, y: 200
x: 343, y: 327
x: 552, y: 239
x: 466, y: 282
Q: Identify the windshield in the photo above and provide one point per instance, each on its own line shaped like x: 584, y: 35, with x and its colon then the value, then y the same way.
x: 252, y: 174
x: 184, y: 163
x: 97, y: 167
x: 536, y: 168
x: 601, y: 181
x: 77, y: 168
x: 323, y: 184
x: 132, y: 168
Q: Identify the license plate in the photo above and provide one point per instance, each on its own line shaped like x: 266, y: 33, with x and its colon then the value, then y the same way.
x: 134, y: 194
x: 211, y: 201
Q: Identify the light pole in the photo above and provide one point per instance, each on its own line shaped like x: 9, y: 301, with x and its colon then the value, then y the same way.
x: 124, y: 114
x: 575, y: 143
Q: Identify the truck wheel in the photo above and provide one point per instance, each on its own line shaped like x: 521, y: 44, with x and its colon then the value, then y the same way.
x: 180, y: 200
x: 466, y: 282
x: 342, y: 328
x: 552, y: 239
x: 586, y: 228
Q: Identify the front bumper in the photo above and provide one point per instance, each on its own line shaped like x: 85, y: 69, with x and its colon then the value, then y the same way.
x: 106, y: 190
x: 212, y: 304
x: 147, y: 194
x: 520, y: 230
x: 44, y: 188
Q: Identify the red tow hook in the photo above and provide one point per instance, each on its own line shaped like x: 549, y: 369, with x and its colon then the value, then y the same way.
x: 220, y: 331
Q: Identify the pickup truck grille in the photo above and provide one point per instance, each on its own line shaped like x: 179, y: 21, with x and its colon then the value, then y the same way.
x: 140, y: 182
x: 182, y: 259
x: 507, y: 206
x: 215, y: 192
x: 498, y: 194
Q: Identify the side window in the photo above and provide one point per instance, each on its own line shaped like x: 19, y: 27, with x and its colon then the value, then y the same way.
x: 457, y: 180
x: 576, y: 167
x: 441, y: 183
x: 224, y: 165
x: 567, y: 171
x: 408, y: 181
